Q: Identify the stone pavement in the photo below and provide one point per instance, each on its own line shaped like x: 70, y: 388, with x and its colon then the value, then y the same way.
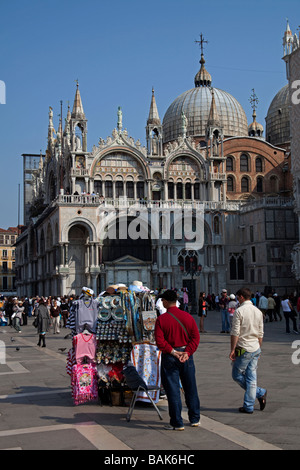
x: 37, y: 411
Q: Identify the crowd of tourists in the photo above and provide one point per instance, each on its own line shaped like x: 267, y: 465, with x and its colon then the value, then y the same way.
x: 177, y: 335
x: 14, y: 311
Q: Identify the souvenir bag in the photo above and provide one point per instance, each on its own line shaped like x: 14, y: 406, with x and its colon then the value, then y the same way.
x: 84, y: 383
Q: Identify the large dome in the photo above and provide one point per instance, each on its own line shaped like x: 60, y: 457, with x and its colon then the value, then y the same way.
x: 278, y: 118
x: 195, y: 104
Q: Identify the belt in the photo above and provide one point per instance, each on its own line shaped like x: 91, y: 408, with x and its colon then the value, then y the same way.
x: 182, y: 348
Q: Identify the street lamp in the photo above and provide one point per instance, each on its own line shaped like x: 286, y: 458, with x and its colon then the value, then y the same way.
x: 190, y: 267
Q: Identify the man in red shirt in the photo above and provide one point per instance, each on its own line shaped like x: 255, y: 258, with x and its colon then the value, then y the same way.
x: 177, y: 336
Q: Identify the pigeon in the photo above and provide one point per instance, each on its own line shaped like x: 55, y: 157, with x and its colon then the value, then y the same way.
x: 12, y: 339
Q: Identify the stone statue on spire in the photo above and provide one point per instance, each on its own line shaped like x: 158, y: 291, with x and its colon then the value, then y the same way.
x: 120, y: 124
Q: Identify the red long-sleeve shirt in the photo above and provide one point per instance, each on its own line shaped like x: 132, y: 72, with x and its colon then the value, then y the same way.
x: 169, y: 334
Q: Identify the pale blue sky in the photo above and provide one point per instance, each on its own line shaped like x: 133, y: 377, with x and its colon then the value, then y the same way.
x: 119, y: 50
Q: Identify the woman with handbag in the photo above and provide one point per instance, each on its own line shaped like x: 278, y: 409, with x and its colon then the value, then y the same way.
x: 42, y: 322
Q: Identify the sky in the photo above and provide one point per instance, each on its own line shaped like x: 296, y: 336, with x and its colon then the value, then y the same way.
x: 118, y: 50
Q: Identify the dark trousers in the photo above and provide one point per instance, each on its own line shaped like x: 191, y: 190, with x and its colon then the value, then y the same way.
x: 172, y: 373
x: 42, y: 339
x: 289, y: 316
x: 270, y: 312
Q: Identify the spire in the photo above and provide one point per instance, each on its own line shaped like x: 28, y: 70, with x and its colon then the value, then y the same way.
x: 154, y: 130
x: 255, y: 129
x: 153, y: 117
x: 202, y: 78
x: 287, y: 39
x: 77, y: 106
x: 288, y: 31
x: 69, y: 112
x: 67, y: 120
x: 51, y: 129
x: 213, y: 118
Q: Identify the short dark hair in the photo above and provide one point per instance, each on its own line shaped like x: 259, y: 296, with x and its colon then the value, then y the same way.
x: 169, y: 295
x: 245, y: 292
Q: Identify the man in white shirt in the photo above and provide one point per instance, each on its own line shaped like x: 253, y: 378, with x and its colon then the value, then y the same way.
x: 263, y: 304
x: 246, y: 338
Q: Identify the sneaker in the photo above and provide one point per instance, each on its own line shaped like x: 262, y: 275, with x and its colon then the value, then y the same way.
x: 195, y: 425
x: 168, y: 427
x: 243, y: 410
x: 295, y: 332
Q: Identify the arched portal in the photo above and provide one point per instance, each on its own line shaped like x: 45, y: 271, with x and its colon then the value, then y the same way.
x: 78, y: 237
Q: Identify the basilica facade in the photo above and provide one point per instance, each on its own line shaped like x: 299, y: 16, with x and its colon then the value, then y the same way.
x: 206, y: 203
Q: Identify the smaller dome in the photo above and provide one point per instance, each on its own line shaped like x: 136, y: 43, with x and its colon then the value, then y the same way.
x: 203, y: 77
x: 278, y: 118
x: 255, y: 129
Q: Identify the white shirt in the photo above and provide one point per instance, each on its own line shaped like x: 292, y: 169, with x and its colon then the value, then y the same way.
x: 263, y: 302
x: 248, y: 325
x: 161, y: 308
x: 285, y: 305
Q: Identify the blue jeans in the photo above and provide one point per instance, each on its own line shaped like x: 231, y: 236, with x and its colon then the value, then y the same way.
x: 172, y: 372
x: 17, y: 323
x: 225, y: 320
x: 244, y: 373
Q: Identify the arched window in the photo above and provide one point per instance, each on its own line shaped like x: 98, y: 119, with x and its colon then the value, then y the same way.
x: 245, y: 185
x: 230, y: 184
x: 188, y: 191
x: 98, y: 187
x: 258, y: 165
x: 229, y: 164
x: 259, y: 184
x: 119, y: 188
x: 140, y: 188
x: 244, y: 163
x: 273, y: 184
x: 179, y: 191
x: 108, y: 189
x: 171, y: 190
x: 236, y: 267
x: 130, y: 189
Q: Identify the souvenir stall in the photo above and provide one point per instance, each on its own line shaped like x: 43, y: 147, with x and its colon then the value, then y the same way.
x: 81, y: 364
x: 109, y: 332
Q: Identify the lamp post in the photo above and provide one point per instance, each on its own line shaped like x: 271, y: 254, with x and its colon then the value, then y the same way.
x: 192, y: 269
